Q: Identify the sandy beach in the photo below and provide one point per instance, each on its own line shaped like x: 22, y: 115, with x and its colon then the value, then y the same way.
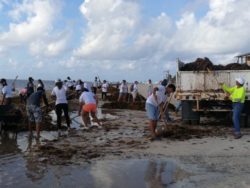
x: 210, y: 157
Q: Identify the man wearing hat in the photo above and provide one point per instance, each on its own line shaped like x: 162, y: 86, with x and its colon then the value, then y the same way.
x: 59, y: 93
x: 237, y: 96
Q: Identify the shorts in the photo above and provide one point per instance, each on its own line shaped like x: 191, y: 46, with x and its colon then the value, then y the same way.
x: 152, y: 111
x: 89, y: 108
x: 34, y: 113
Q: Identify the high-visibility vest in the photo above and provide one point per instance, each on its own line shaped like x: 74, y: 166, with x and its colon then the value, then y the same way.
x: 237, y: 94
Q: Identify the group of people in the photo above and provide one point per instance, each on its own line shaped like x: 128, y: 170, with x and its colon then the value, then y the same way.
x: 125, y: 91
x: 155, y: 104
x: 155, y: 107
x: 33, y: 96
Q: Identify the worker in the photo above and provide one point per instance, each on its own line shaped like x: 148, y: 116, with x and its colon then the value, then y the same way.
x: 30, y: 86
x: 7, y: 93
x: 237, y: 96
x: 150, y: 88
x: 95, y: 84
x: 34, y: 111
x: 105, y: 87
x: 165, y: 90
x: 59, y: 93
x: 88, y: 104
x: 123, y: 91
x: 153, y: 108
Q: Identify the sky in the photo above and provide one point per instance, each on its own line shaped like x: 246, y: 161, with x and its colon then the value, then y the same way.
x: 117, y: 39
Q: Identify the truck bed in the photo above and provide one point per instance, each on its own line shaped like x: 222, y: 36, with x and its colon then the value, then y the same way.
x: 198, y: 85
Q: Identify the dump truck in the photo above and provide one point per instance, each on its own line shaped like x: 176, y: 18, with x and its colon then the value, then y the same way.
x: 199, y: 90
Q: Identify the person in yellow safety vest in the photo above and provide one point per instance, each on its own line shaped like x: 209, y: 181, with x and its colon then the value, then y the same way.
x: 237, y: 96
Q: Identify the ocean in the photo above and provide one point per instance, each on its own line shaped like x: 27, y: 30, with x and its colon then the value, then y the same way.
x: 19, y: 84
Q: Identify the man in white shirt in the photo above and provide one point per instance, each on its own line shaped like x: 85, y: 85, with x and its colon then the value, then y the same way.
x: 123, y: 91
x: 59, y: 92
x: 134, y: 92
x: 104, y: 89
x: 7, y: 92
x: 155, y: 107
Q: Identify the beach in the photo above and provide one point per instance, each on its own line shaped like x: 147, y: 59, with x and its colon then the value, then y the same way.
x: 121, y: 154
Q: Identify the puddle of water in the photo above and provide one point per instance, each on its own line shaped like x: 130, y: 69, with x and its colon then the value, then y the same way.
x: 105, y: 174
x: 19, y: 169
x: 13, y: 143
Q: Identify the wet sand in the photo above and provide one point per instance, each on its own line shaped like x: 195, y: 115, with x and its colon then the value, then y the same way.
x: 208, y: 157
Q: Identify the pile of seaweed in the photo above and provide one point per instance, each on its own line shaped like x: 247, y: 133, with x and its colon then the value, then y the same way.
x: 203, y: 64
x: 178, y: 132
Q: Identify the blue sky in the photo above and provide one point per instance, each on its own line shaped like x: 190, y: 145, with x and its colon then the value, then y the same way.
x: 117, y: 39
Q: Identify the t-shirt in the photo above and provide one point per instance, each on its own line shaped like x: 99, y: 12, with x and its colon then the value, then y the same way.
x: 123, y: 88
x: 161, y: 91
x: 35, y: 98
x: 105, y: 87
x: 135, y: 88
x: 151, y: 100
x: 6, y: 90
x: 87, y: 98
x: 60, y: 95
x: 78, y: 87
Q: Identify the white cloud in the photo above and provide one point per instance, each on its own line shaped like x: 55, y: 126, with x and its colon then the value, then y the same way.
x: 32, y: 20
x: 70, y: 63
x: 118, y: 37
x: 113, y: 33
x: 222, y: 30
x: 51, y: 46
x: 110, y: 22
x: 121, y: 37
